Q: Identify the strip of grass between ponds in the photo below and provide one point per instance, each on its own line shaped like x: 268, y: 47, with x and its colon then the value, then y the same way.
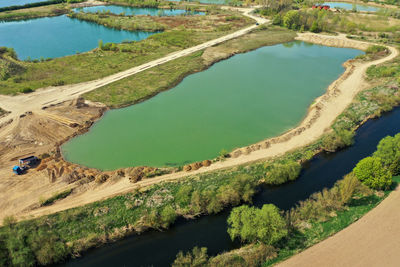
x: 142, y: 86
x: 95, y: 64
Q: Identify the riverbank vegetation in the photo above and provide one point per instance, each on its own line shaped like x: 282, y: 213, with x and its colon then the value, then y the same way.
x: 272, y: 235
x: 121, y: 22
x: 182, y: 32
x: 143, y: 85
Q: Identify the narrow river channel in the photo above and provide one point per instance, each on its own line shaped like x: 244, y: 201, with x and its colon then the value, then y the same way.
x: 160, y: 248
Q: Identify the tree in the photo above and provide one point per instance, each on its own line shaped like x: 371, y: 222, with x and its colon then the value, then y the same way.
x: 371, y: 172
x: 388, y: 151
x: 291, y: 19
x: 168, y: 216
x: 251, y: 224
x: 314, y: 27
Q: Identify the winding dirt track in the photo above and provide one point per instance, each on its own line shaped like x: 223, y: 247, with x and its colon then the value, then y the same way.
x: 339, y: 95
x: 374, y: 240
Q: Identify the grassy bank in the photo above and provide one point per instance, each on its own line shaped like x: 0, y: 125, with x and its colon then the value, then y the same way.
x: 120, y: 22
x: 182, y: 32
x: 35, y: 12
x: 301, y: 236
x: 143, y: 85
x: 339, y: 220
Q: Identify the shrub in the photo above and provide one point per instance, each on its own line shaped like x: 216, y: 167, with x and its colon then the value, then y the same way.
x: 388, y: 151
x: 250, y: 255
x: 26, y: 90
x: 197, y: 257
x: 168, y: 216
x: 56, y: 196
x: 337, y: 140
x: 373, y: 49
x: 371, y: 172
x: 281, y: 173
x: 251, y: 224
x: 319, y: 206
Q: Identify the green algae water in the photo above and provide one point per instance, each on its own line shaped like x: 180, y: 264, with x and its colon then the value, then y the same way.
x: 236, y: 102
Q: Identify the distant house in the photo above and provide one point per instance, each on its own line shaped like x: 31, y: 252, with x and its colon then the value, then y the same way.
x: 325, y: 7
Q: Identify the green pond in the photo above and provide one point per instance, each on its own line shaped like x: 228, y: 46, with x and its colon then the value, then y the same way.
x: 236, y: 102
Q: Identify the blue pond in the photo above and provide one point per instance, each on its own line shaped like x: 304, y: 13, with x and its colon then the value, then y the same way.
x: 349, y: 6
x: 59, y: 36
x: 6, y: 3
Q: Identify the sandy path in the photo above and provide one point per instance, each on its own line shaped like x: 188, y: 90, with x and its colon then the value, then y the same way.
x: 374, y: 240
x: 339, y: 95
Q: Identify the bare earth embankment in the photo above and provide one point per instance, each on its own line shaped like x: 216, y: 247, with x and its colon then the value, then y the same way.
x: 320, y: 116
x: 374, y: 240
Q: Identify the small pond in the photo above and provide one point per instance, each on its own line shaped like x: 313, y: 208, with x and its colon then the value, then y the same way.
x: 349, y: 6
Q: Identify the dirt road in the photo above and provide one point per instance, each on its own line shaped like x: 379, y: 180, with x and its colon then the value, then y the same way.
x: 339, y: 95
x: 374, y: 240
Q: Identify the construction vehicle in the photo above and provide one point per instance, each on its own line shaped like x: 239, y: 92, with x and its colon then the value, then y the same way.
x: 19, y: 170
x: 24, y: 164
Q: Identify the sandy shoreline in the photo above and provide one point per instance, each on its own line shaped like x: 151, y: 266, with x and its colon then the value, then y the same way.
x: 320, y: 116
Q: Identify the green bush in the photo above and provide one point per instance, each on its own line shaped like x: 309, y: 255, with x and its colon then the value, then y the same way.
x: 388, y: 151
x: 281, y: 173
x: 250, y: 224
x: 319, y: 205
x: 371, y: 172
x: 373, y: 49
x: 195, y: 258
x: 338, y: 139
x: 26, y: 90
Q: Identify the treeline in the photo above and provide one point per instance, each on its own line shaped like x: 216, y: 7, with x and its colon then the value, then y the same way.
x: 269, y: 231
x: 44, y: 3
x: 120, y: 22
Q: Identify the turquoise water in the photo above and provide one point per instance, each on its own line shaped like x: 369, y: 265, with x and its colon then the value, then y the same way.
x: 5, y: 3
x: 59, y: 36
x: 234, y: 103
x: 136, y: 10
x: 349, y: 6
x: 217, y: 2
